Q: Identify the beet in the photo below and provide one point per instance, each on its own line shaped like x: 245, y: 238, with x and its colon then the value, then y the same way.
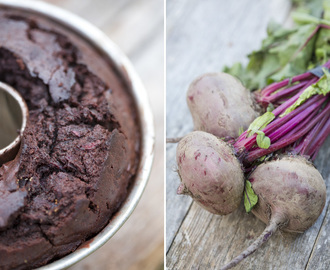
x: 291, y: 196
x: 209, y: 172
x: 220, y: 105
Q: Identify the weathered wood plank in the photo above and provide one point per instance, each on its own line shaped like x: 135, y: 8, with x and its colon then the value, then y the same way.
x: 320, y: 258
x: 203, y: 36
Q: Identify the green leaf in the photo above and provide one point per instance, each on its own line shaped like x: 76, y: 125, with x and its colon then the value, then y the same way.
x: 263, y: 141
x: 322, y: 46
x: 313, y: 7
x: 270, y: 107
x: 260, y: 122
x: 304, y: 18
x: 250, y: 198
x: 240, y: 131
x: 284, y: 53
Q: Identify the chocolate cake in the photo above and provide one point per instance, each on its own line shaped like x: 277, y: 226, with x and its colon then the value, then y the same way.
x: 80, y: 149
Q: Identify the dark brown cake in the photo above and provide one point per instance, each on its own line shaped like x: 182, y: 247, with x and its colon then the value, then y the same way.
x: 80, y: 148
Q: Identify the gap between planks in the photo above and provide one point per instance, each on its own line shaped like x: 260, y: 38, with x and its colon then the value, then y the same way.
x: 317, y: 238
x: 178, y: 230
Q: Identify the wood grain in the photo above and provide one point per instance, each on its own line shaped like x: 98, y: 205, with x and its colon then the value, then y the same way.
x: 204, y: 36
x: 137, y: 28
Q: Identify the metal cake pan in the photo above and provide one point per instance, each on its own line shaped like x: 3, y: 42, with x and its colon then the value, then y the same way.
x: 103, y: 44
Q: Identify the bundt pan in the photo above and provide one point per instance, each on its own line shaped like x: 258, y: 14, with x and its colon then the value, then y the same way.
x: 86, y: 35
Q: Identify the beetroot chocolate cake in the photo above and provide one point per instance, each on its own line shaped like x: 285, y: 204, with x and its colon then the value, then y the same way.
x: 80, y: 149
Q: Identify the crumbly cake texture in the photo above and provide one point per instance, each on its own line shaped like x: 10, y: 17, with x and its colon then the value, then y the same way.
x: 80, y: 149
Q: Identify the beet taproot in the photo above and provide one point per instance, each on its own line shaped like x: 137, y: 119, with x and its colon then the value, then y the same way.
x: 291, y: 196
x: 220, y: 104
x: 210, y: 172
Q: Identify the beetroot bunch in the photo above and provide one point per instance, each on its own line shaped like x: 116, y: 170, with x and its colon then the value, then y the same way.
x: 281, y: 127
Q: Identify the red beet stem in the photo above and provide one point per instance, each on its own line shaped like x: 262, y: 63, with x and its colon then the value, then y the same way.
x: 280, y: 109
x: 289, y: 138
x: 283, y: 93
x: 307, y: 144
x: 319, y: 140
x: 295, y: 121
x: 247, y: 143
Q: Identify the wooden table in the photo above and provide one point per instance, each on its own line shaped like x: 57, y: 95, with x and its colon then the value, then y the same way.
x: 137, y: 27
x: 203, y: 36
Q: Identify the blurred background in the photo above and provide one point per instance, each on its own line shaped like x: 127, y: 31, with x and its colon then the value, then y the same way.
x: 137, y: 27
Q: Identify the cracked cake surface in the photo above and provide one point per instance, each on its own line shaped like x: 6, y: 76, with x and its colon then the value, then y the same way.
x: 80, y: 148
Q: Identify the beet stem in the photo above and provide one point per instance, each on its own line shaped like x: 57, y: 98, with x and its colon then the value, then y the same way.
x: 324, y: 133
x: 306, y: 42
x: 274, y: 224
x: 288, y: 138
x: 293, y: 99
x: 267, y: 92
x: 249, y: 142
x: 295, y: 121
x: 277, y: 85
x: 312, y: 138
x: 283, y: 93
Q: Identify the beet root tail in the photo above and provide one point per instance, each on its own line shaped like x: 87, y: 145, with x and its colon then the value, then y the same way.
x: 173, y: 140
x: 263, y: 238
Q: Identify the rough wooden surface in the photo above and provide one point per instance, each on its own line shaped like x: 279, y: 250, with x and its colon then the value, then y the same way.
x: 203, y: 36
x: 136, y: 26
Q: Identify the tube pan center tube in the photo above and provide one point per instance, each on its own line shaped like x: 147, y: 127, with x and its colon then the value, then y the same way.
x: 13, y: 118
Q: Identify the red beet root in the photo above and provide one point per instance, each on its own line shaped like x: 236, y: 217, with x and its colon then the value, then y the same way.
x: 291, y: 195
x: 209, y: 172
x: 220, y: 105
